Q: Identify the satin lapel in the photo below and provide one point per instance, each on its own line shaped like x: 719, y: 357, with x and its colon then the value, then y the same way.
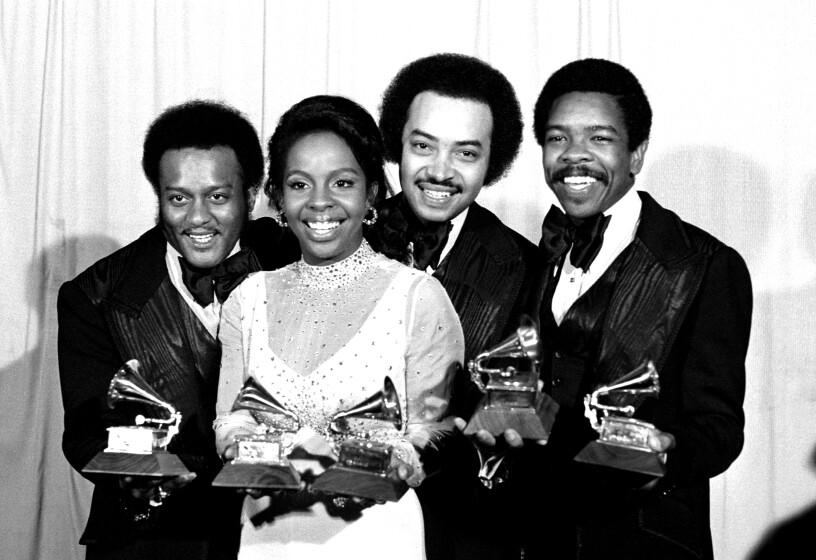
x: 481, y: 284
x: 159, y: 338
x: 142, y: 273
x: 647, y: 308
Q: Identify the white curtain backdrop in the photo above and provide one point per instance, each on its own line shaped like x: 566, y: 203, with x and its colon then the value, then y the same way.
x: 731, y: 84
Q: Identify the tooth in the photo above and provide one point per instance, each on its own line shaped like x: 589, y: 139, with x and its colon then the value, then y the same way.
x: 437, y: 194
x: 323, y: 225
x: 578, y: 180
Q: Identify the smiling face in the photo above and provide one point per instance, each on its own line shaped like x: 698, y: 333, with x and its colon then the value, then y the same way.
x: 201, y: 203
x: 445, y: 154
x: 324, y: 197
x: 586, y: 160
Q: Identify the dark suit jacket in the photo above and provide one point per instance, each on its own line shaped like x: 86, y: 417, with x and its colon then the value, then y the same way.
x: 491, y: 276
x: 124, y: 307
x: 683, y: 299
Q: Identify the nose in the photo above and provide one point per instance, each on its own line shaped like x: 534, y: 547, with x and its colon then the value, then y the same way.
x: 575, y: 152
x: 440, y: 168
x: 199, y: 213
x: 320, y: 198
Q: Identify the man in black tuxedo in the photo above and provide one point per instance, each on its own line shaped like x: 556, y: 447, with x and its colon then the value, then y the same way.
x: 453, y: 124
x: 626, y: 281
x: 158, y: 301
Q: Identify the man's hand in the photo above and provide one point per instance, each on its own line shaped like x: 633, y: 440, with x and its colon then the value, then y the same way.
x: 486, y: 439
x: 661, y: 442
x: 152, y: 488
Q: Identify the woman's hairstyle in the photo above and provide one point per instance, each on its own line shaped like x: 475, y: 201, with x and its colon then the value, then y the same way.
x: 600, y: 76
x: 330, y: 113
x: 460, y: 77
x: 203, y: 124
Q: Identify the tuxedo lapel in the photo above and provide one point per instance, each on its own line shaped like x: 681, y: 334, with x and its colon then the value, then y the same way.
x: 660, y: 275
x: 160, y: 341
x: 483, y: 279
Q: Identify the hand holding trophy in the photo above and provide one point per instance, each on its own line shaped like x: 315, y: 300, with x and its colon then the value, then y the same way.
x: 140, y: 449
x: 363, y: 468
x: 623, y: 440
x: 512, y: 398
x: 261, y: 458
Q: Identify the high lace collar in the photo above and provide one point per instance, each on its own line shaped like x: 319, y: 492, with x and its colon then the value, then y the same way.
x: 338, y: 275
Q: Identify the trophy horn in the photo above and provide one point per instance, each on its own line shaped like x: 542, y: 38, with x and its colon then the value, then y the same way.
x: 128, y: 385
x: 382, y: 405
x: 255, y: 398
x: 524, y: 343
x: 641, y: 382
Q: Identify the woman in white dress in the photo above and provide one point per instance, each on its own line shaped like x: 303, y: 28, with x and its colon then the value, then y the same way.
x: 323, y: 333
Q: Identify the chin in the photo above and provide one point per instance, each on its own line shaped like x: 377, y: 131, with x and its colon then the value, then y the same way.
x: 203, y: 260
x: 436, y: 214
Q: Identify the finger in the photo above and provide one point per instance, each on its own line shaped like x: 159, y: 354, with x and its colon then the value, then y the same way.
x: 661, y: 442
x: 485, y: 438
x: 252, y: 492
x: 179, y: 481
x: 513, y: 438
x: 231, y: 452
x: 459, y: 423
x: 138, y: 486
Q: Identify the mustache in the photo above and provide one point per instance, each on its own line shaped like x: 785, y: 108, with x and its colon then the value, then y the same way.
x: 446, y: 183
x: 579, y: 171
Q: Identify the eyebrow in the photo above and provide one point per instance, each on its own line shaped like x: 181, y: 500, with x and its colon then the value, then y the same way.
x: 208, y: 188
x: 592, y: 128
x: 297, y: 171
x: 420, y: 132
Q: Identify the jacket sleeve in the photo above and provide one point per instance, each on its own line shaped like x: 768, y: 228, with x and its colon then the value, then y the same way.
x: 88, y: 359
x: 707, y: 419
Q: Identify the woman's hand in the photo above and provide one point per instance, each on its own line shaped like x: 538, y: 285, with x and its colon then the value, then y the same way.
x: 405, y: 464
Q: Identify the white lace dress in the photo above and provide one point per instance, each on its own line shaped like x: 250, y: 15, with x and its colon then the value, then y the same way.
x: 322, y: 339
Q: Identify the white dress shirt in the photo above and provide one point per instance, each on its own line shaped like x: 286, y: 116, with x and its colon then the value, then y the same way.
x: 574, y: 282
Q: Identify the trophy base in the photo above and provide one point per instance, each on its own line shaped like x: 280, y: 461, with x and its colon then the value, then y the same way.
x: 158, y: 463
x: 530, y: 423
x: 361, y: 483
x: 258, y: 475
x: 624, y: 458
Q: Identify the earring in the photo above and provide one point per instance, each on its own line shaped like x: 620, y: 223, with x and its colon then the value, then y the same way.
x: 280, y: 219
x: 371, y: 216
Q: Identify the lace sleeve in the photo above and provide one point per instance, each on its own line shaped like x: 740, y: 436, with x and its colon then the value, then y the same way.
x: 229, y: 424
x: 435, y: 350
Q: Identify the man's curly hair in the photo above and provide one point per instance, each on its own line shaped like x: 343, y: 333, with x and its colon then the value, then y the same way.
x: 460, y: 77
x: 601, y: 76
x: 203, y: 124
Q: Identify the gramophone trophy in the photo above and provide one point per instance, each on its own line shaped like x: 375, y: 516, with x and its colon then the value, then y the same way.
x: 623, y: 441
x: 363, y: 466
x: 139, y: 450
x: 512, y: 396
x: 261, y: 460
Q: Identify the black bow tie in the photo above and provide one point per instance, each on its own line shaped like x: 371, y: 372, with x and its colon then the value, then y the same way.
x: 219, y: 281
x: 428, y: 243
x: 559, y: 233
